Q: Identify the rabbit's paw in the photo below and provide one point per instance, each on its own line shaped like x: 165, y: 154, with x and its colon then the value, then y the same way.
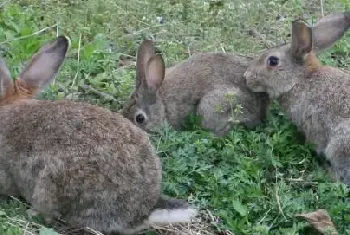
x: 347, y: 177
x: 32, y: 213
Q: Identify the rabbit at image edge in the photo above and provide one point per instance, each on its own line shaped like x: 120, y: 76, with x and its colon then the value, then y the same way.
x: 77, y: 161
x: 314, y: 96
x: 200, y: 85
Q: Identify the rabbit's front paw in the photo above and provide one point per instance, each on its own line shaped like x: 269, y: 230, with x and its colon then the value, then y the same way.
x: 32, y: 213
x: 48, y: 218
x: 347, y: 177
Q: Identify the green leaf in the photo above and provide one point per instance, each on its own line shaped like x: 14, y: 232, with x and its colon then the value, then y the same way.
x: 47, y: 231
x: 240, y: 208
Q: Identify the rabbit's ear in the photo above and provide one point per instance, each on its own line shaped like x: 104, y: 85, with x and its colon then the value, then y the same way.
x: 155, y: 72
x: 144, y: 54
x: 329, y: 30
x: 5, y: 78
x: 45, y: 64
x: 301, y: 39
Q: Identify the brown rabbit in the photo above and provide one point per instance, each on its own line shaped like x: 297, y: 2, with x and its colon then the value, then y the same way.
x: 200, y: 85
x: 314, y: 96
x: 77, y: 161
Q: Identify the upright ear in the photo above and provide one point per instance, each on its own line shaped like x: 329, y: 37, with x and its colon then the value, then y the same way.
x: 45, y: 64
x: 144, y: 54
x: 329, y: 30
x: 5, y: 78
x: 155, y: 72
x: 301, y: 39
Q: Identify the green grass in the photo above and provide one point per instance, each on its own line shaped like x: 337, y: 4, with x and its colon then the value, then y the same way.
x: 255, y: 181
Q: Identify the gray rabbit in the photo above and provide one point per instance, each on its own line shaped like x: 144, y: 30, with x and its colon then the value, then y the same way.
x: 315, y: 97
x: 201, y: 85
x: 77, y: 161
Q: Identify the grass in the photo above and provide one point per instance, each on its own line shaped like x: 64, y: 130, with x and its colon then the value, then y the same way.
x: 250, y: 182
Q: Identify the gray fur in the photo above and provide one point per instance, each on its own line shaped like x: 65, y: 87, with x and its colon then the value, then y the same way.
x: 315, y: 97
x: 329, y: 29
x: 200, y: 86
x: 81, y: 162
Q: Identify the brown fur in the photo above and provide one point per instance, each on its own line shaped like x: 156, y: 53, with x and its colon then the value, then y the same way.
x: 18, y: 91
x: 199, y: 86
x: 313, y: 64
x: 74, y: 160
x: 315, y: 97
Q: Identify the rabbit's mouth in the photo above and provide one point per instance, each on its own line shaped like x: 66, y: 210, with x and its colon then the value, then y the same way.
x: 252, y: 83
x: 257, y: 88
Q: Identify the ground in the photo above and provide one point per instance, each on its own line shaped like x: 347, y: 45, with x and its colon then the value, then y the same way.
x: 250, y: 182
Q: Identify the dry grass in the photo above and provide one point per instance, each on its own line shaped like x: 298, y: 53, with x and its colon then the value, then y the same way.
x: 203, y: 224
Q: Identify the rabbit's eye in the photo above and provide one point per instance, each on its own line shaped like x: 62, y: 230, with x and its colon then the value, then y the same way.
x: 140, y: 118
x: 272, y: 61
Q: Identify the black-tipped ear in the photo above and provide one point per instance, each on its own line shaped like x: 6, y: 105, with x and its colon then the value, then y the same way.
x: 45, y: 64
x: 301, y: 39
x: 329, y: 30
x: 145, y: 52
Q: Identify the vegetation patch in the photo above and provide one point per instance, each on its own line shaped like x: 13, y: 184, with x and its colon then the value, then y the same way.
x: 253, y: 181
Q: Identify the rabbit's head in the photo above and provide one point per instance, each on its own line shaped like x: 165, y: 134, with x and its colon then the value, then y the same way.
x: 278, y: 69
x: 145, y: 108
x: 36, y: 75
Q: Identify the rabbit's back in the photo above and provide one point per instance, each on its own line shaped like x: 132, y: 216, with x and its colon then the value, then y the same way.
x: 319, y: 104
x: 70, y: 123
x: 188, y: 82
x: 86, y: 152
x: 204, y: 71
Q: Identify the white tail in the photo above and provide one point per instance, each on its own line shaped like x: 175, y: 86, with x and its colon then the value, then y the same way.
x: 160, y: 216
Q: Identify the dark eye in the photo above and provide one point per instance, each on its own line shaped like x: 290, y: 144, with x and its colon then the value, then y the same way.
x: 272, y: 61
x: 140, y: 119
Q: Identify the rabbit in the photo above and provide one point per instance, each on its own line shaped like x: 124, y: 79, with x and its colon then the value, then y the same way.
x: 76, y: 161
x: 315, y: 97
x: 200, y: 85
